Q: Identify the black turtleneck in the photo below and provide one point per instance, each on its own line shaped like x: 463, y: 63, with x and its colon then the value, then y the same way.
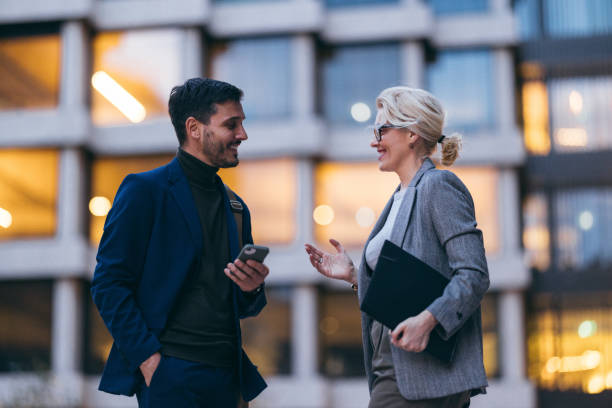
x: 201, y: 325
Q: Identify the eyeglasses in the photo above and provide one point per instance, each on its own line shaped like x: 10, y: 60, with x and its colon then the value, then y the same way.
x: 378, y: 130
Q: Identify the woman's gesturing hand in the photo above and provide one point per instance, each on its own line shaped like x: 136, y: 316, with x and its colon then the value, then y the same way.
x: 413, y: 333
x: 335, y: 266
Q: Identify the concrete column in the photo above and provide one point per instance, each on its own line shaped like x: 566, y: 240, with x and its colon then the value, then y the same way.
x: 504, y: 89
x: 512, y: 336
x: 72, y: 202
x: 67, y: 330
x: 305, y: 201
x: 304, y: 332
x: 74, y: 81
x: 192, y: 54
x: 412, y: 59
x: 303, y: 70
x: 66, y: 326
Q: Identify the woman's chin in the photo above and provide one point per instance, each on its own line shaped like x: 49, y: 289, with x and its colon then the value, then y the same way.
x: 382, y: 166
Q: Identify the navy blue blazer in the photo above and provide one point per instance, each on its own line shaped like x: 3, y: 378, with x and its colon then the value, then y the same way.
x: 152, y: 239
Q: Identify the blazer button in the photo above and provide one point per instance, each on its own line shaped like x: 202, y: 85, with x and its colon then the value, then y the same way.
x: 459, y: 315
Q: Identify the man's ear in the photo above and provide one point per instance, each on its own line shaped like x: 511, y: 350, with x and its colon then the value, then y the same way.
x: 193, y: 128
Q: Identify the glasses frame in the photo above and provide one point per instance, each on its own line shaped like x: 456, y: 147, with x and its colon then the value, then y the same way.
x: 377, y: 130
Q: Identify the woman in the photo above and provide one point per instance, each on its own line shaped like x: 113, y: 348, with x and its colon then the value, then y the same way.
x: 430, y: 215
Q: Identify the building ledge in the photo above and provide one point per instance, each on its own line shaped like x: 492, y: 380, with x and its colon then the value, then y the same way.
x: 492, y: 29
x: 20, y: 11
x: 114, y: 15
x: 275, y: 17
x: 43, y: 258
x: 382, y: 23
x: 42, y: 128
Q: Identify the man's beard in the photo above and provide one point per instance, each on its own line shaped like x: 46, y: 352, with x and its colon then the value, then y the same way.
x: 219, y: 153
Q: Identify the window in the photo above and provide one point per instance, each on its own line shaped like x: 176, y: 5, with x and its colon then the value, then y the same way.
x: 536, y: 234
x: 568, y: 342
x: 350, y: 3
x: 351, y: 79
x: 341, y: 351
x: 267, y: 81
x: 30, y: 70
x: 28, y: 193
x: 528, y: 18
x: 267, y: 337
x: 345, y: 211
x: 124, y: 87
x: 442, y: 7
x: 463, y: 81
x: 535, y: 118
x: 570, y: 18
x: 107, y: 175
x: 581, y: 113
x: 348, y: 213
x: 25, y: 322
x: 490, y: 338
x: 269, y: 189
x: 583, y: 219
x: 482, y: 182
x: 563, y: 18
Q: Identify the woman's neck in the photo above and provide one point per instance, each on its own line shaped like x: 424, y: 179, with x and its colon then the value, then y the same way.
x: 408, y: 168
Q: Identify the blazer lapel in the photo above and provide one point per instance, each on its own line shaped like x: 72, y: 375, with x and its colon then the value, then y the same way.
x: 403, y: 216
x: 179, y: 186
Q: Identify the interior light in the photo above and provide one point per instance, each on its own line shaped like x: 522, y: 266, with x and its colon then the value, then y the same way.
x: 596, y: 384
x: 553, y: 364
x: 609, y: 380
x: 536, y: 237
x: 590, y: 359
x: 535, y: 116
x: 323, y: 215
x: 360, y: 112
x: 6, y: 219
x: 118, y: 96
x: 365, y: 217
x: 585, y: 220
x: 99, y: 206
x: 587, y: 361
x: 575, y: 102
x: 587, y: 328
x: 572, y: 137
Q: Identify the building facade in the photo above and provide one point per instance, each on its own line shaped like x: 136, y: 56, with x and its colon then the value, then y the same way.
x: 565, y: 70
x: 85, y: 104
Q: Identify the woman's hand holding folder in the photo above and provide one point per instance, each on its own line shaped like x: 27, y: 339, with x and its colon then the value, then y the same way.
x: 413, y: 333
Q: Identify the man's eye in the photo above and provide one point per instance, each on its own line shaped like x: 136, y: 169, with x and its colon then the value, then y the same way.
x: 231, y: 126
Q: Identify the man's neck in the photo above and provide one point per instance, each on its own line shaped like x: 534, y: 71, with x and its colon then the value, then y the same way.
x: 197, y: 154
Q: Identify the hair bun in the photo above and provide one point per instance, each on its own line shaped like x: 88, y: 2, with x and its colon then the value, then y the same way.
x: 451, y: 146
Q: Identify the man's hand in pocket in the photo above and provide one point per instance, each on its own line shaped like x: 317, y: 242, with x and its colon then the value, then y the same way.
x: 148, y: 367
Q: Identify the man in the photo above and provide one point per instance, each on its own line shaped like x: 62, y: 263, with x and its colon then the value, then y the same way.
x: 164, y: 283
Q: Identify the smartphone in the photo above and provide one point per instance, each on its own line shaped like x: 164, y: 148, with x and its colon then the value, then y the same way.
x: 255, y: 252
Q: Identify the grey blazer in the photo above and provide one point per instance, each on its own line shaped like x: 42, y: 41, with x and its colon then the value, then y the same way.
x: 436, y: 223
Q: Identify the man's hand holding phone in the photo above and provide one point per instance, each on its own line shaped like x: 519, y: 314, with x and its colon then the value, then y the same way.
x: 249, y: 271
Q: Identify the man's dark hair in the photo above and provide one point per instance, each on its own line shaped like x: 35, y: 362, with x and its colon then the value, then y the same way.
x: 197, y: 97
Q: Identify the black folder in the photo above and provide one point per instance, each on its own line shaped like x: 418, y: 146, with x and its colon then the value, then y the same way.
x: 403, y: 286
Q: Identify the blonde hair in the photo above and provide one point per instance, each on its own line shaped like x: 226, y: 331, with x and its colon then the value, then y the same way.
x: 422, y: 113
